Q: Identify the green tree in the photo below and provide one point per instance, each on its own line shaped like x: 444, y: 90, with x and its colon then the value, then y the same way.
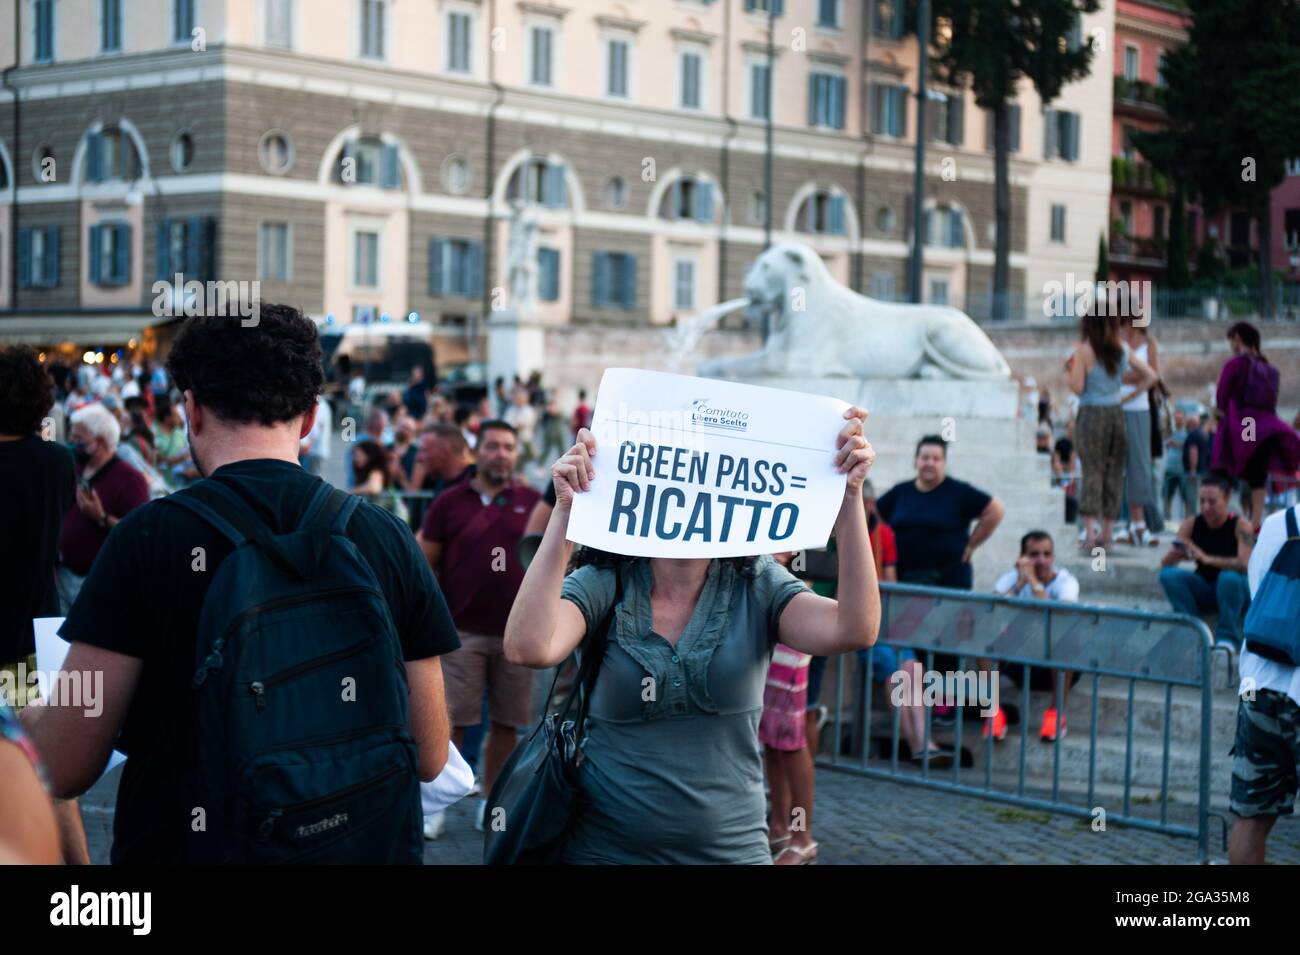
x: 1176, y: 273
x: 992, y: 46
x: 1233, y: 99
x: 1103, y: 259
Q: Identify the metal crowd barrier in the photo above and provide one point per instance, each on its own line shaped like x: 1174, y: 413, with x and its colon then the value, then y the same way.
x: 1135, y: 647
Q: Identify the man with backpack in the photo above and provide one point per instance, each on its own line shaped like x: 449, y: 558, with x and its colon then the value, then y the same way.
x: 269, y: 646
x: 1266, y: 751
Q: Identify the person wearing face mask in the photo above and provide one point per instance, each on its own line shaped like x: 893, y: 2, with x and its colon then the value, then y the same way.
x: 107, y: 490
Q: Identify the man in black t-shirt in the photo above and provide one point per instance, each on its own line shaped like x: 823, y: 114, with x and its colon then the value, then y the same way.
x: 931, y: 517
x: 250, y: 396
x: 37, y: 486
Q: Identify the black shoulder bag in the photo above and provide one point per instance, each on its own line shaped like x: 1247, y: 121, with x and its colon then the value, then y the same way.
x: 535, y: 796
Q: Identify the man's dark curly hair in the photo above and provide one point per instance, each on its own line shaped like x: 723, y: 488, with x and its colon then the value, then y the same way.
x: 26, y: 391
x: 265, y: 373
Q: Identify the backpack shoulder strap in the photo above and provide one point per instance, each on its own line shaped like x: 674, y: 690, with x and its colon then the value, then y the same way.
x: 220, y: 508
x: 1292, y: 531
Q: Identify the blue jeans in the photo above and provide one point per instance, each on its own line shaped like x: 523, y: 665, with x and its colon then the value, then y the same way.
x: 1190, y: 593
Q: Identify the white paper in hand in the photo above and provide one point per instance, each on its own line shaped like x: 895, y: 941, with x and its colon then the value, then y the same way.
x: 451, y: 785
x: 51, y: 651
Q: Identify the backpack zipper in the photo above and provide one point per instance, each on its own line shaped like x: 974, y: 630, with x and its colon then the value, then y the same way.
x: 258, y: 687
x: 214, y: 659
x: 268, y: 824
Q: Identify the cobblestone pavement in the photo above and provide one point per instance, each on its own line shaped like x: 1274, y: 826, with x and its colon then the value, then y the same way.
x: 874, y: 822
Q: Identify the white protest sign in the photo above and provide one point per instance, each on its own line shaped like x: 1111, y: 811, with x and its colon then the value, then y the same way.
x: 694, y: 467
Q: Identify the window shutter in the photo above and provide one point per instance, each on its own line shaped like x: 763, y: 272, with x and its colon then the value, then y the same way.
x: 193, y: 262
x: 675, y: 200
x: 812, y: 99
x: 1049, y: 134
x: 837, y: 98
x: 704, y: 201
x: 207, y: 248
x: 437, y: 277
x: 122, y: 253
x: 548, y: 267
x: 162, y: 253
x: 837, y: 215
x: 877, y: 108
x: 628, y: 285
x: 554, y: 190
x: 51, y: 276
x: 956, y: 234
x: 349, y: 153
x: 900, y: 108
x: 95, y: 157
x: 24, y: 258
x: 473, y: 282
x: 778, y: 7
x: 600, y: 279
x: 927, y: 230
x: 751, y: 6
x: 282, y: 268
x: 956, y: 118
x: 1013, y: 124
x: 391, y: 173
x: 1072, y: 126
x: 95, y: 248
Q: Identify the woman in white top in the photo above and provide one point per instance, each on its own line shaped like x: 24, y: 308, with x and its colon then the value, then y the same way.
x: 1139, y: 481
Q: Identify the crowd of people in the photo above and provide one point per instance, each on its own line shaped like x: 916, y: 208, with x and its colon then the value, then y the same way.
x: 711, y: 681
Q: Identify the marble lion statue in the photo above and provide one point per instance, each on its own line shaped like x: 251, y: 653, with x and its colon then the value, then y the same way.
x: 824, y: 329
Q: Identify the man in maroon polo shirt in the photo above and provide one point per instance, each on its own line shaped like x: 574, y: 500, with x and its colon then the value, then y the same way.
x: 107, y: 490
x: 470, y: 535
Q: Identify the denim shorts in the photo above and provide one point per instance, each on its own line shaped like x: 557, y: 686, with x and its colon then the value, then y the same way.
x: 885, y: 660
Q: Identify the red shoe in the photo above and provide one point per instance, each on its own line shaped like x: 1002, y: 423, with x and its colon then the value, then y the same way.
x: 1053, y: 726
x: 997, y: 726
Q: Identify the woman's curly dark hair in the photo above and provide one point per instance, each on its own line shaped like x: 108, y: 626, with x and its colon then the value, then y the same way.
x: 267, y: 373
x: 26, y: 391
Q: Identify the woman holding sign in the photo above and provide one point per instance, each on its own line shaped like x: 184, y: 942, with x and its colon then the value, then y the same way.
x: 672, y: 771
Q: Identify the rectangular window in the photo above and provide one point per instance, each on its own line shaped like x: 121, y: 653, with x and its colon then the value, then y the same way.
x: 1131, y: 62
x: 613, y: 283
x: 1162, y: 61
x: 542, y: 46
x: 365, y: 261
x: 692, y: 67
x: 43, y: 30
x: 458, y: 43
x: 1158, y: 222
x: 1293, y: 167
x: 1291, y: 229
x: 828, y: 13
x: 373, y: 15
x: 182, y: 20
x: 1061, y: 135
x: 760, y: 91
x: 1058, y: 223
x: 110, y: 25
x: 763, y: 6
x: 279, y: 23
x: 684, y: 285
x: 826, y: 100
x: 946, y: 118
x: 38, y: 257
x: 548, y: 274
x: 274, y: 258
x: 455, y: 267
x: 616, y: 52
x: 188, y: 247
x: 889, y: 110
x: 825, y: 214
x: 109, y: 254
x: 887, y: 19
x: 938, y: 292
x: 883, y: 286
x: 945, y: 227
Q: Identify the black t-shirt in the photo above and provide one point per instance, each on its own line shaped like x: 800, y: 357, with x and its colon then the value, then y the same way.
x: 37, y: 486
x: 142, y: 599
x: 1201, y: 441
x: 932, y: 529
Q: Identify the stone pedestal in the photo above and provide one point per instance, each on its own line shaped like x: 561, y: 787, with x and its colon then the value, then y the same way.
x: 515, y: 346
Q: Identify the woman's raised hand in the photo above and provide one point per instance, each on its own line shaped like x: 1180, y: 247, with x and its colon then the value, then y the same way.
x: 854, y: 454
x: 574, y: 472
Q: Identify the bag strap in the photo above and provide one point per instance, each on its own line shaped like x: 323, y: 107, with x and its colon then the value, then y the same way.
x: 591, y: 658
x: 1292, y: 531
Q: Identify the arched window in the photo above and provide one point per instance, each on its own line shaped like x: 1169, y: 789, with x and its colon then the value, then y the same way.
x: 541, y: 181
x: 945, y: 227
x: 369, y: 161
x: 823, y: 213
x: 689, y: 197
x: 111, y: 156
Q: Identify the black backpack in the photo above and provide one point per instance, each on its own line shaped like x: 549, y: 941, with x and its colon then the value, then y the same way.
x: 302, y: 750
